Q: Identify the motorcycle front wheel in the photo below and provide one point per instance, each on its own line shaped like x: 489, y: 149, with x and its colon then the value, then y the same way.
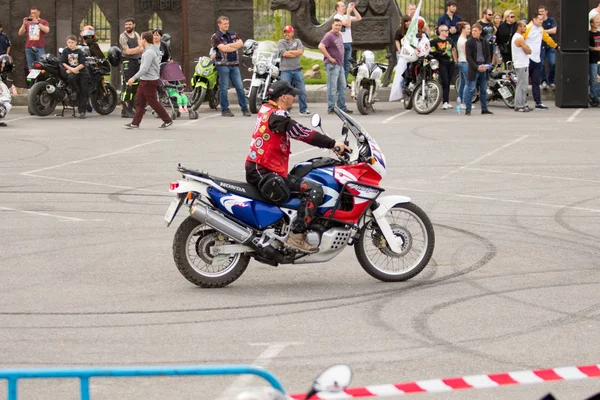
x: 255, y: 99
x: 104, y: 100
x: 39, y: 101
x: 362, y: 102
x: 192, y: 251
x: 432, y: 99
x: 376, y: 257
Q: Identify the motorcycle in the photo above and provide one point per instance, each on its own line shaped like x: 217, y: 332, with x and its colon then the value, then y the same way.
x: 265, y: 71
x: 51, y: 87
x: 368, y: 82
x: 424, y: 93
x: 501, y: 85
x: 205, y: 84
x: 5, y: 101
x: 231, y: 222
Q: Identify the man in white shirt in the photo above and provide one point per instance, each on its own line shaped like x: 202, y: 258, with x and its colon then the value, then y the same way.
x: 520, y: 58
x: 534, y: 35
x: 347, y: 15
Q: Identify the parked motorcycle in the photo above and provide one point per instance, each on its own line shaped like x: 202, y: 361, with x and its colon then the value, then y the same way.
x: 51, y: 87
x: 265, y: 70
x: 231, y: 222
x: 500, y: 86
x: 205, y: 84
x: 423, y: 92
x: 367, y: 82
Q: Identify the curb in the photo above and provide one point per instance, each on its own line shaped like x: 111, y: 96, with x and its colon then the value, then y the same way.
x: 466, y: 382
x: 318, y: 94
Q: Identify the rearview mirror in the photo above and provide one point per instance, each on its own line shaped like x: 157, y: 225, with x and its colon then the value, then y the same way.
x: 334, y: 379
x: 60, y: 50
x: 316, y: 120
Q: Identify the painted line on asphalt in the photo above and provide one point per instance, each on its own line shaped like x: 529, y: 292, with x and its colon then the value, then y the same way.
x: 62, y: 217
x: 560, y: 178
x: 98, y: 184
x: 483, y: 157
x: 262, y: 360
x: 385, y: 121
x: 18, y: 119
x: 93, y: 158
x: 468, y: 196
x: 574, y: 115
x: 201, y: 119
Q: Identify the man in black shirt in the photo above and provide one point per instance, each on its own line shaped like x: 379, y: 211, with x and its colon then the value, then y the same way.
x: 479, y: 58
x: 4, y: 42
x: 73, y: 60
x: 444, y: 50
x: 487, y: 25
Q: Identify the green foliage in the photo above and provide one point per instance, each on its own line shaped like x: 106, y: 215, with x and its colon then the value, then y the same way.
x: 518, y: 6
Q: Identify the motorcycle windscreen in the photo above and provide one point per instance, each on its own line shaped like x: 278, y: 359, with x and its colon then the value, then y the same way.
x: 254, y: 213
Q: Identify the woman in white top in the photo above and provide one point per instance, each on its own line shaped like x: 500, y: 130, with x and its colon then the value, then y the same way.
x: 465, y: 30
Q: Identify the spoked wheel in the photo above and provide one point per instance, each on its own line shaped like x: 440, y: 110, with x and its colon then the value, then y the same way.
x: 407, y: 99
x: 428, y: 102
x: 413, y: 226
x: 193, y: 250
x: 510, y: 100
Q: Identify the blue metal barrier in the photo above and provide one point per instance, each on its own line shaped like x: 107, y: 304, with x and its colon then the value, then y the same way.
x: 84, y: 374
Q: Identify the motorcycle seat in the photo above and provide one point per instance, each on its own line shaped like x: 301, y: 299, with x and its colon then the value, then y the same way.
x: 496, y: 75
x: 240, y: 188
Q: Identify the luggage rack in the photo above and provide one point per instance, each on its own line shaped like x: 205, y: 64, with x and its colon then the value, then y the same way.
x: 84, y: 374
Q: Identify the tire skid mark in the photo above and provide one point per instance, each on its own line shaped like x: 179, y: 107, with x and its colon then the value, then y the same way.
x: 45, y: 147
x: 421, y: 322
x: 560, y: 220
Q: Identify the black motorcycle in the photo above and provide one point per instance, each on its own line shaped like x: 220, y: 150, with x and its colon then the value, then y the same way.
x: 501, y: 85
x: 422, y: 91
x: 51, y: 87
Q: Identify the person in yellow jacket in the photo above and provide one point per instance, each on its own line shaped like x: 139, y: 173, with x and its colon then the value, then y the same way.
x: 534, y: 35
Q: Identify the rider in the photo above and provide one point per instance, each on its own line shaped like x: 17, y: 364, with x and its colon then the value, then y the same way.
x: 267, y: 162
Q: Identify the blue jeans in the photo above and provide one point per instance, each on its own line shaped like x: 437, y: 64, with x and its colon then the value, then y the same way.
x: 594, y: 86
x: 347, y: 55
x: 463, y: 67
x: 548, y: 53
x: 33, y: 55
x: 336, y: 87
x: 480, y: 77
x: 296, y: 79
x: 226, y: 73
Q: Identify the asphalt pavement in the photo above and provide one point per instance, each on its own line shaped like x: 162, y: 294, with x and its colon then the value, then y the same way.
x: 88, y: 277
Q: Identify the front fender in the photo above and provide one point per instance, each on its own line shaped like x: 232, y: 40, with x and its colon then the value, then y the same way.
x: 256, y: 82
x: 385, y: 204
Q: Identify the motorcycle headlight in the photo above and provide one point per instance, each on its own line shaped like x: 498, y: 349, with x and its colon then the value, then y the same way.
x: 206, y: 72
x: 274, y: 71
x: 261, y: 68
x: 435, y: 64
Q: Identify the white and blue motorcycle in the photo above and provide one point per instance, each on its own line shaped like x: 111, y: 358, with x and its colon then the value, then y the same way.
x: 231, y: 222
x: 367, y: 81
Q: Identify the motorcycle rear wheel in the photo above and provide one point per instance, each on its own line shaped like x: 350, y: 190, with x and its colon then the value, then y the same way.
x: 375, y: 256
x: 433, y: 93
x: 39, y: 101
x: 362, y: 102
x: 191, y: 250
x: 474, y: 98
x: 510, y: 102
x: 215, y: 99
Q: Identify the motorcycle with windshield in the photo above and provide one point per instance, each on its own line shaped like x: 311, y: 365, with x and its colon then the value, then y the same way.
x: 265, y: 70
x: 367, y: 81
x: 231, y: 222
x: 205, y: 84
x: 51, y: 87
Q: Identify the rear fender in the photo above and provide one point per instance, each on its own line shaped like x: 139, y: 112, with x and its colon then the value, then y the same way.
x: 196, y: 184
x: 385, y: 204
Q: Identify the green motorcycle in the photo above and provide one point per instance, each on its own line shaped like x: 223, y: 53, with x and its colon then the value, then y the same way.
x: 205, y: 84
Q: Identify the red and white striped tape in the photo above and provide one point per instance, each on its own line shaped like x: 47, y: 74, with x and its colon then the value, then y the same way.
x: 465, y: 382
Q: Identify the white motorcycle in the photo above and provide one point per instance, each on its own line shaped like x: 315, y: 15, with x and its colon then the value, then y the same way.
x: 265, y: 70
x: 368, y: 75
x: 5, y: 101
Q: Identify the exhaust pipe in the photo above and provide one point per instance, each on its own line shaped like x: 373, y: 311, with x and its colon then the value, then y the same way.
x: 232, y: 229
